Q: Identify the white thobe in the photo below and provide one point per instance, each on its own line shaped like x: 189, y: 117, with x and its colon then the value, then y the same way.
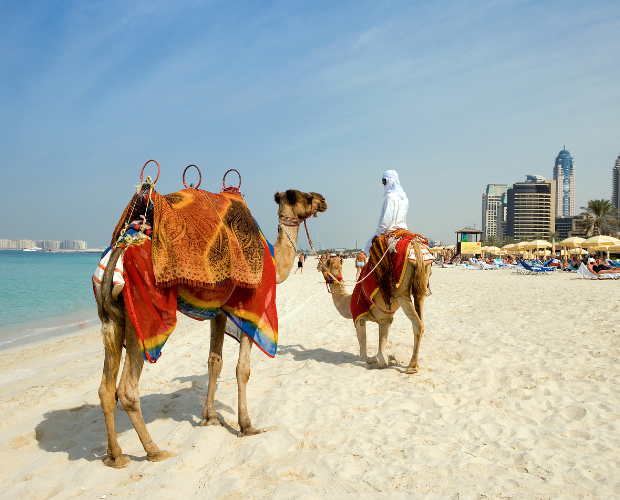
x: 393, y: 216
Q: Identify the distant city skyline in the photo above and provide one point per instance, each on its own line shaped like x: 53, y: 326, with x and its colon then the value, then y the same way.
x: 23, y: 243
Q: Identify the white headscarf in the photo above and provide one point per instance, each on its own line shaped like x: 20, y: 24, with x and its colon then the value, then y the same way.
x: 392, y: 184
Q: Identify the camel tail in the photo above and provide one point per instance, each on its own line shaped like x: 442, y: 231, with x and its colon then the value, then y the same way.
x: 110, y: 311
x: 419, y: 284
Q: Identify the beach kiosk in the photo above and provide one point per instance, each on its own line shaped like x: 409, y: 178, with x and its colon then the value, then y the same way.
x: 468, y: 241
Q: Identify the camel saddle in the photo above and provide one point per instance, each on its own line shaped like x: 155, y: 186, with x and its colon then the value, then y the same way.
x: 200, y: 238
x: 385, y: 275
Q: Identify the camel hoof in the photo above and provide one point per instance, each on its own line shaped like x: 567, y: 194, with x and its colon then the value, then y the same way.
x: 159, y: 456
x: 207, y: 422
x: 252, y: 431
x: 118, y: 463
x: 382, y: 360
x: 411, y: 370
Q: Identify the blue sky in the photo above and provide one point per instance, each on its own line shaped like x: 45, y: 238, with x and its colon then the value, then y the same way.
x: 312, y: 95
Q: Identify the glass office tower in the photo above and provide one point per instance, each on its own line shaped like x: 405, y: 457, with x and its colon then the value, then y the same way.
x: 564, y: 177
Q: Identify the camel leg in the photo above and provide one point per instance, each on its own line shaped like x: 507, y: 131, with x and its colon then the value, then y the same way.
x: 243, y: 375
x: 360, y: 329
x: 418, y: 329
x: 384, y: 331
x: 113, y: 335
x: 129, y: 395
x: 218, y: 326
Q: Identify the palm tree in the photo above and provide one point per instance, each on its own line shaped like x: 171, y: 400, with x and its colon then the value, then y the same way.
x: 491, y: 241
x: 599, y: 217
x: 508, y: 240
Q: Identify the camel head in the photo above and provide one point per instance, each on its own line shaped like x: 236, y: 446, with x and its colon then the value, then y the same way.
x: 298, y: 205
x: 333, y: 265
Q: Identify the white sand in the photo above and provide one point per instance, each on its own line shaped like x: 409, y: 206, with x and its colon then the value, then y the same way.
x: 518, y: 396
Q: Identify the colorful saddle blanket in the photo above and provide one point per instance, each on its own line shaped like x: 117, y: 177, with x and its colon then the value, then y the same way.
x: 202, y: 239
x: 364, y: 292
x: 152, y: 308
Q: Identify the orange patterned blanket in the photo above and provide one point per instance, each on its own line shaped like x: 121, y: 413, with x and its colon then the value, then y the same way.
x: 204, y: 239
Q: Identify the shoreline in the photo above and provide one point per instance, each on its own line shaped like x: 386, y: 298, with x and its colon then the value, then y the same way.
x: 39, y: 330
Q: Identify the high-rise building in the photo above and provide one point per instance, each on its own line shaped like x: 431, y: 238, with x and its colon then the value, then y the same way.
x: 493, y: 203
x: 564, y: 177
x: 531, y: 208
x: 615, y: 184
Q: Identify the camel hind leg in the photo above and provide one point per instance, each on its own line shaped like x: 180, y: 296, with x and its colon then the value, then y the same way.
x: 129, y: 395
x: 418, y: 331
x: 113, y: 336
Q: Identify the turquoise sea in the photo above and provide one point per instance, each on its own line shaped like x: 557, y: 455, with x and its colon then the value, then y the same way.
x: 45, y: 293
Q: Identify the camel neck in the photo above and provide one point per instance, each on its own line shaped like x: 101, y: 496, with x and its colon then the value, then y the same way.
x: 285, y: 251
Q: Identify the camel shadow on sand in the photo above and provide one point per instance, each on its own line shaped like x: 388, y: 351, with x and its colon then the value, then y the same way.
x: 321, y: 355
x: 81, y: 432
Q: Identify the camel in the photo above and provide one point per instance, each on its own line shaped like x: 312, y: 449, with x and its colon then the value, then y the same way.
x: 415, y: 282
x: 293, y: 207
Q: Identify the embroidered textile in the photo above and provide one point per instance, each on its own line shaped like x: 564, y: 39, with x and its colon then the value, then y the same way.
x: 390, y: 273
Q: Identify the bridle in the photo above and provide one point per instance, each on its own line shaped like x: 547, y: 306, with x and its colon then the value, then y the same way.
x: 284, y: 221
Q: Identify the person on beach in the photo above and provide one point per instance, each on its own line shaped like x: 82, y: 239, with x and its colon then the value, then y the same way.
x: 360, y: 262
x: 597, y: 266
x: 395, y: 206
x: 300, y: 264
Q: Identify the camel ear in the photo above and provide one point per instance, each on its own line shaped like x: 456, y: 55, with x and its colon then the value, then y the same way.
x: 277, y: 198
x: 291, y: 196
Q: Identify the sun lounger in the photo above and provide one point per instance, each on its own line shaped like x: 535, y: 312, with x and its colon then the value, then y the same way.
x: 528, y: 269
x: 585, y: 273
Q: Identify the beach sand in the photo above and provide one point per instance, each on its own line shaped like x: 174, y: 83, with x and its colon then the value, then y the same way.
x: 517, y: 396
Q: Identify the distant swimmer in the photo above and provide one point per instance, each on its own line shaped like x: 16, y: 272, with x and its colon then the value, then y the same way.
x: 360, y: 262
x: 394, y: 210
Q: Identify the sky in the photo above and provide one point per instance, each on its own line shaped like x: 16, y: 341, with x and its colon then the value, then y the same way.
x: 315, y: 95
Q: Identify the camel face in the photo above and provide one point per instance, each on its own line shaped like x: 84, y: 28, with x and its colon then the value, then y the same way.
x: 334, y: 265
x: 298, y: 205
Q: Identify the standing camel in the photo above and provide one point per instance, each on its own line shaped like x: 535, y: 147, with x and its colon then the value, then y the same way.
x: 293, y: 207
x: 415, y: 282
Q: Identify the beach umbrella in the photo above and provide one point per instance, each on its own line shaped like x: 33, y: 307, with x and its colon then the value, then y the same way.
x: 493, y: 249
x: 536, y: 244
x: 602, y: 243
x: 572, y: 242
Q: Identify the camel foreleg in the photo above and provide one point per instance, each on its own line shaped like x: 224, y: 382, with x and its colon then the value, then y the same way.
x: 360, y: 329
x: 418, y: 330
x: 218, y: 326
x: 243, y: 375
x: 129, y: 395
x: 381, y: 359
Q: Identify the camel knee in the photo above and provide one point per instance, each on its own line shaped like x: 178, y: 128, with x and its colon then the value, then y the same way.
x: 129, y: 398
x: 243, y: 374
x: 107, y: 397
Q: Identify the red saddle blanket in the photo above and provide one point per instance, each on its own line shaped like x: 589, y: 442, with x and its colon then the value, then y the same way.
x: 152, y: 308
x: 364, y: 292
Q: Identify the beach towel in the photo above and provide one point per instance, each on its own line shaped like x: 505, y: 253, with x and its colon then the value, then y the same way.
x: 118, y: 282
x: 363, y: 293
x: 201, y: 239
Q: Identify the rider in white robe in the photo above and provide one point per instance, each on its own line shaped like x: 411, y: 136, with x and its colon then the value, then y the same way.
x: 395, y: 206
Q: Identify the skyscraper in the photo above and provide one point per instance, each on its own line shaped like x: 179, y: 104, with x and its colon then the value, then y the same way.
x: 531, y: 208
x: 564, y: 177
x: 615, y: 184
x: 493, y: 204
